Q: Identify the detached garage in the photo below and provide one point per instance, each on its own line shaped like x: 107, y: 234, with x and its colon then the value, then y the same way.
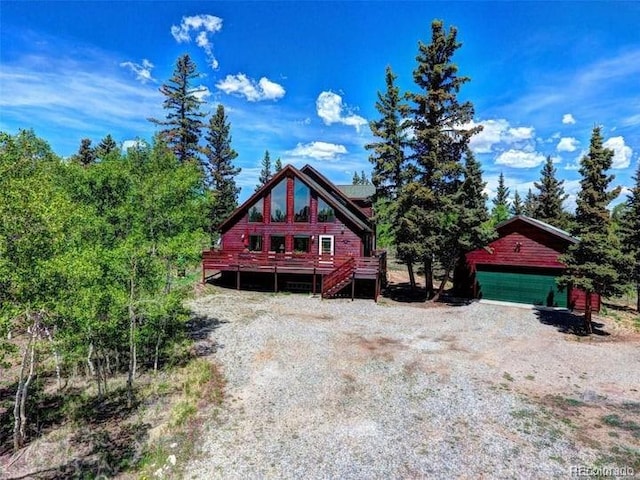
x: 522, y: 265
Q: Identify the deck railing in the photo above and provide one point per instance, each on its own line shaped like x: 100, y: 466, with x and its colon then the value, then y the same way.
x: 220, y: 260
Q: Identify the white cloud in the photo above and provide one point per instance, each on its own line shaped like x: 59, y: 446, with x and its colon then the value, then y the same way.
x: 498, y: 132
x: 318, y: 150
x: 567, y: 119
x: 243, y: 86
x: 204, y: 25
x: 621, y: 152
x: 142, y: 70
x: 520, y: 159
x: 201, y: 93
x: 567, y: 144
x: 331, y: 110
x: 136, y: 143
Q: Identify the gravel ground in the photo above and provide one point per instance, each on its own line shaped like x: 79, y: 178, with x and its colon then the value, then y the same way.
x: 341, y: 389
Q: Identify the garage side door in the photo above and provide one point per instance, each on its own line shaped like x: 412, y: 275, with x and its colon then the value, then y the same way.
x: 530, y: 288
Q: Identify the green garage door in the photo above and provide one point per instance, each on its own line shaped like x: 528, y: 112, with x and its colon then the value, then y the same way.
x: 530, y: 288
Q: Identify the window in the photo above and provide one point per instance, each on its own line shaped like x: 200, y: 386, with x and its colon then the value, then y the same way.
x: 279, y: 202
x: 325, y: 212
x: 301, y: 198
x: 255, y: 212
x: 301, y: 244
x: 255, y: 243
x: 277, y: 244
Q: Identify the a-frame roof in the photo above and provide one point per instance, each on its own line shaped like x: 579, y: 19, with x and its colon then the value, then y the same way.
x: 333, y: 189
x: 540, y: 225
x: 331, y: 196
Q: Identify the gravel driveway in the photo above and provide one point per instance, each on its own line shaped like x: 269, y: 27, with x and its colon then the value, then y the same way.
x: 341, y: 389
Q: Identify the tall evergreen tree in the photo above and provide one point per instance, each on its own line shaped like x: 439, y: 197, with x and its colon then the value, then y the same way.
x: 106, y: 147
x: 278, y: 165
x: 220, y: 171
x: 355, y: 180
x: 530, y: 204
x: 439, y: 143
x: 181, y: 128
x: 468, y: 226
x: 517, y: 207
x: 86, y: 153
x: 388, y: 154
x: 550, y: 197
x: 500, y: 211
x: 594, y: 263
x: 265, y: 171
x: 630, y: 233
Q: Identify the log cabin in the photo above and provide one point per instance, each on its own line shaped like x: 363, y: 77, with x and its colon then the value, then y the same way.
x: 521, y: 266
x: 299, y: 231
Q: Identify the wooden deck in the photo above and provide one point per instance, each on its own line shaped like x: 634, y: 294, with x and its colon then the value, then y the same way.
x: 365, y: 268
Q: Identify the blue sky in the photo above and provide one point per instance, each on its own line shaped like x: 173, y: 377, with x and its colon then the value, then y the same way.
x: 300, y: 78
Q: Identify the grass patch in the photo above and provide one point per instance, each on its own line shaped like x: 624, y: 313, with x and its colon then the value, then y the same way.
x: 617, y: 421
x: 507, y: 376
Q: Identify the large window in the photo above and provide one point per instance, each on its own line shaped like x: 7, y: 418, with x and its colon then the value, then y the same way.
x: 279, y: 202
x: 301, y: 244
x: 277, y: 244
x: 325, y: 212
x: 255, y: 212
x: 255, y: 243
x: 301, y: 201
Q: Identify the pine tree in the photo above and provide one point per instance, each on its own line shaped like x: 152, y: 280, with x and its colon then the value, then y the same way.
x: 265, y: 172
x: 355, y: 180
x: 183, y: 120
x: 106, y: 147
x: 86, y: 153
x: 530, y: 204
x: 517, y: 207
x: 500, y: 210
x: 388, y: 154
x: 630, y: 233
x: 550, y: 197
x: 438, y: 145
x: 594, y: 263
x: 220, y: 171
x: 278, y: 165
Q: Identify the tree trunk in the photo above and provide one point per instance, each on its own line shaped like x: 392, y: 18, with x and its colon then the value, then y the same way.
x: 412, y: 276
x: 156, y: 353
x: 638, y: 297
x: 18, y: 441
x: 587, y: 313
x: 25, y: 390
x: 428, y: 277
x: 444, y: 281
x: 132, y: 336
x: 92, y: 370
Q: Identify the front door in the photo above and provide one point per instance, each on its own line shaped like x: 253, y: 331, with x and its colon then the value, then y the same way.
x: 325, y: 245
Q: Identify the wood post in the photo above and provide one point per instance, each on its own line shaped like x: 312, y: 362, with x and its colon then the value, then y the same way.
x: 238, y: 278
x: 353, y: 286
x: 275, y: 279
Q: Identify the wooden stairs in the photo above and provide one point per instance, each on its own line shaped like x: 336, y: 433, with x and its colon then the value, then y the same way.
x: 339, y: 278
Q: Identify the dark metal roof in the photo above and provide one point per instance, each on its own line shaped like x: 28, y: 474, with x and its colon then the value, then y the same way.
x: 357, y: 191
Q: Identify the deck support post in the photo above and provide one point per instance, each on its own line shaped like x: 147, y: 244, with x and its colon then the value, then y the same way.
x: 353, y: 286
x: 314, y: 280
x: 238, y: 278
x: 275, y: 279
x: 377, y: 291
